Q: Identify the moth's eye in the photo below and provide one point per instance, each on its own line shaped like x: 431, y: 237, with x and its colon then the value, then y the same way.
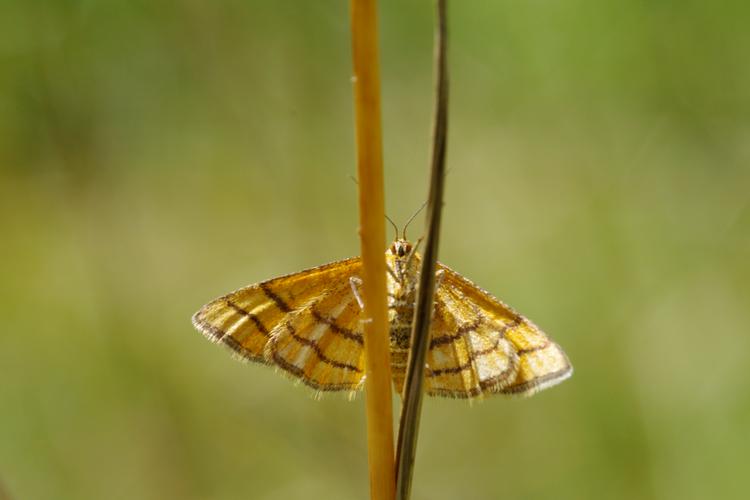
x: 394, y: 250
x: 407, y: 249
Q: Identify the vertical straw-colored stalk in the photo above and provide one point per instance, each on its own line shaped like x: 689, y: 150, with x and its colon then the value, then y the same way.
x: 420, y: 336
x: 372, y: 237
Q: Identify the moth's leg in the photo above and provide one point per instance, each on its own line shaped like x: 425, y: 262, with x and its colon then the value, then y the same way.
x: 416, y: 245
x: 439, y: 275
x: 390, y: 271
x: 413, y: 250
x: 355, y: 282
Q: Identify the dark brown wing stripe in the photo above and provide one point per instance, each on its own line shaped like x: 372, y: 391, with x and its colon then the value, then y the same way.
x: 234, y: 345
x: 483, y: 352
x: 277, y: 300
x: 214, y: 333
x: 463, y: 329
x: 300, y: 373
x: 470, y: 327
x: 490, y: 383
x: 260, y: 326
x: 534, y: 349
x: 336, y: 328
x: 318, y: 352
x: 468, y: 364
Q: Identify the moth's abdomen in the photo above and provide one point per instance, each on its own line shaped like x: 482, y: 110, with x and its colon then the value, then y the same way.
x: 399, y: 358
x: 401, y: 317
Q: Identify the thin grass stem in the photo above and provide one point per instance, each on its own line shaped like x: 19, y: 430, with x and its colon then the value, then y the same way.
x: 413, y: 390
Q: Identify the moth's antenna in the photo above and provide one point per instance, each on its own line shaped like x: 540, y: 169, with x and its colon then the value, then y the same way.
x: 393, y: 224
x: 412, y: 217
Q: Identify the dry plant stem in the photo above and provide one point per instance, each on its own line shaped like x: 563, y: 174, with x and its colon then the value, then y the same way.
x: 372, y: 237
x: 413, y: 391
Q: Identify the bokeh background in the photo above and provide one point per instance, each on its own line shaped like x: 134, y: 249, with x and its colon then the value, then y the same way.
x: 155, y: 154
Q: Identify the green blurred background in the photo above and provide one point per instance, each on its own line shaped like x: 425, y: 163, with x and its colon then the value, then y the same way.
x: 155, y: 154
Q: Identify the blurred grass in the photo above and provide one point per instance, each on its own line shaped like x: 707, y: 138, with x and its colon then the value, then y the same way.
x: 154, y: 155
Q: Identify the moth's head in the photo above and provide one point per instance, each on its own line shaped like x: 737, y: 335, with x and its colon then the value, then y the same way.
x: 400, y: 248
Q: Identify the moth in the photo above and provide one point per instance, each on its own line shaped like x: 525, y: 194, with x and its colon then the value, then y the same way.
x: 310, y: 325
